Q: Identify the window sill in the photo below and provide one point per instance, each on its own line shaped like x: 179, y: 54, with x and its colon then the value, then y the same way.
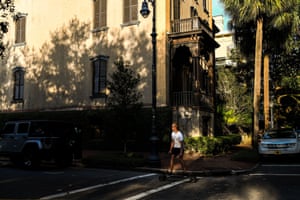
x: 98, y: 96
x: 130, y: 23
x: 100, y: 29
x: 19, y: 44
x: 17, y: 101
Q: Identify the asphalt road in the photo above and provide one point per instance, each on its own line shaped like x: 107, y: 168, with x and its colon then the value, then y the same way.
x: 276, y: 180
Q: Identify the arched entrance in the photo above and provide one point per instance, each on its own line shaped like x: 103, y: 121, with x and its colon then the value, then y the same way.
x: 182, y: 71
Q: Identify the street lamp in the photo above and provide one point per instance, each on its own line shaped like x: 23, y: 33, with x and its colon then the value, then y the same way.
x: 153, y: 157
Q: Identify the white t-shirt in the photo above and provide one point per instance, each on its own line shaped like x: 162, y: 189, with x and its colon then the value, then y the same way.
x: 177, y: 137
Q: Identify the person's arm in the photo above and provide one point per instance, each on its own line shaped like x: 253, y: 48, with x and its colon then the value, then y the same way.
x: 171, y: 146
x: 182, y: 148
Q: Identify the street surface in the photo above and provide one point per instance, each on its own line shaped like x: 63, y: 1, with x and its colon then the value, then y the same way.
x: 276, y: 180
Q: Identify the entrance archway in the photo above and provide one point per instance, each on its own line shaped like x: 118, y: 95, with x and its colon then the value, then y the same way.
x: 182, y: 71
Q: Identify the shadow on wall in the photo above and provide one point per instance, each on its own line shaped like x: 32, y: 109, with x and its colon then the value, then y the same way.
x: 60, y: 72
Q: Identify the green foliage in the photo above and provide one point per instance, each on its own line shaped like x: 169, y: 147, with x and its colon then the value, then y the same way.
x: 287, y: 109
x: 7, y: 8
x: 124, y: 99
x: 211, y: 145
x: 234, y: 97
x: 123, y: 87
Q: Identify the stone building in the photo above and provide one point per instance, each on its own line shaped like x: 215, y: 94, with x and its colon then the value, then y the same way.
x: 61, y: 52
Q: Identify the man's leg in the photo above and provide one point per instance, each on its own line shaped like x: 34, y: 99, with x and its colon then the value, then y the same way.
x: 182, y: 163
x: 171, y: 163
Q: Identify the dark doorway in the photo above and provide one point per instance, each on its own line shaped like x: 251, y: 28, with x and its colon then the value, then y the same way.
x: 182, y: 72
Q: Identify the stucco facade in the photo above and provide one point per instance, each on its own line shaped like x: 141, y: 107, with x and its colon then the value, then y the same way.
x: 61, y: 43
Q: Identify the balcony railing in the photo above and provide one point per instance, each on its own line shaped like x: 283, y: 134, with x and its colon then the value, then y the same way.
x: 190, y: 98
x: 185, y: 98
x: 190, y: 24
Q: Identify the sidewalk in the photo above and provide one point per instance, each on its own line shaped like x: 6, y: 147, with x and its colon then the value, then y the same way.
x: 213, y: 165
x: 199, y: 164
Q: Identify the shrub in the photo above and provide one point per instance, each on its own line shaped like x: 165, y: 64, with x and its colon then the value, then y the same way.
x: 211, y: 145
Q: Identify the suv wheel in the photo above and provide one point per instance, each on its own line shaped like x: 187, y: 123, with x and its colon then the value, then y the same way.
x: 30, y: 158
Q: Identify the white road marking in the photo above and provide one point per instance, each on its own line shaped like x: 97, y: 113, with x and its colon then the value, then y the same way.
x: 280, y: 165
x: 276, y: 174
x: 149, y: 192
x: 271, y: 174
x: 62, y: 194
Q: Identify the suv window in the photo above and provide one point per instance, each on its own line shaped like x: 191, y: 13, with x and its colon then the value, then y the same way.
x: 9, y: 128
x: 23, y: 128
x: 39, y: 129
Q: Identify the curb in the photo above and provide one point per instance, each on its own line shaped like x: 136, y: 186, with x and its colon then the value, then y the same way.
x: 216, y: 172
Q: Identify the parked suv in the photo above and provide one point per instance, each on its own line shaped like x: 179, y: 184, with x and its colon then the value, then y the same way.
x: 28, y: 142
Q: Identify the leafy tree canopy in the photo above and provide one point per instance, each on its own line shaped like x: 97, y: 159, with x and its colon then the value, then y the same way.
x: 123, y: 87
x: 124, y: 99
x: 6, y: 8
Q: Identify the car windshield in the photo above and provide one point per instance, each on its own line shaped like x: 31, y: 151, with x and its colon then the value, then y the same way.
x: 279, y: 134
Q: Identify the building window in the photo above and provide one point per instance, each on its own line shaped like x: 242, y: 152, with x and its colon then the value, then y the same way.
x: 99, y: 65
x: 20, y: 29
x: 130, y: 11
x: 100, y: 14
x: 18, y: 74
x: 205, y: 7
x: 176, y: 9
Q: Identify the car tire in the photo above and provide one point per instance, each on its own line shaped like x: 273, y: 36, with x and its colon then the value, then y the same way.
x: 30, y: 158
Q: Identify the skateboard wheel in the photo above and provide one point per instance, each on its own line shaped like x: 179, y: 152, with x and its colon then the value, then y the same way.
x: 193, y: 179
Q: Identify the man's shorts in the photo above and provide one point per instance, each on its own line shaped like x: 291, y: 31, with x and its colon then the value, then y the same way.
x: 176, y: 151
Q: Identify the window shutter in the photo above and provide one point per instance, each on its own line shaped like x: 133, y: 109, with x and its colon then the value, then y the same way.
x: 96, y: 14
x: 96, y: 77
x: 102, y: 13
x: 23, y: 29
x: 20, y: 30
x: 126, y: 10
x: 102, y: 77
x: 176, y: 9
x: 134, y: 10
x: 18, y: 85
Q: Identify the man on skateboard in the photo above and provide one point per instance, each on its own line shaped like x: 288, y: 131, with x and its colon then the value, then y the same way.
x: 176, y: 148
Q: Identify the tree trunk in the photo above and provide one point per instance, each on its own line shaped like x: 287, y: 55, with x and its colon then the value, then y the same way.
x: 257, y: 79
x: 266, y: 92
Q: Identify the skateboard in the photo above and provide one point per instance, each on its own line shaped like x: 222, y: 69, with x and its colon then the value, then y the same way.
x: 177, y: 176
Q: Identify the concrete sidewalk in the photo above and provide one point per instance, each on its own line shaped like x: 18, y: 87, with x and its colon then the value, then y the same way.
x: 206, y: 165
x: 197, y: 163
